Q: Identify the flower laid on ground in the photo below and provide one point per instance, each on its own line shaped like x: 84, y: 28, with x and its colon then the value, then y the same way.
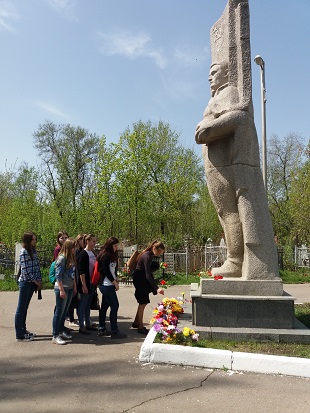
x: 206, y: 274
x: 163, y: 265
x: 165, y: 322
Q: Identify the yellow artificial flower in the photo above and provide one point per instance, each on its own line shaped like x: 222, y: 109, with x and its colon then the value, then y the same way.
x: 186, y: 331
x: 192, y: 332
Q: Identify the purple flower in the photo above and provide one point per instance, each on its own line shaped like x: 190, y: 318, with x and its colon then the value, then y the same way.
x: 157, y: 327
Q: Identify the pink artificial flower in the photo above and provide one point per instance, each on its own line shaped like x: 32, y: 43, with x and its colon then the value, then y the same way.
x: 195, y: 337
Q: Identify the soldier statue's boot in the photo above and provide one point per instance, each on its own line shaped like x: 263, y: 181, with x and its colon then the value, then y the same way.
x: 232, y: 267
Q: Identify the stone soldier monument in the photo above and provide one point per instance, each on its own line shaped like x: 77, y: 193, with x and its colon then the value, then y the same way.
x: 251, y: 292
x: 231, y: 153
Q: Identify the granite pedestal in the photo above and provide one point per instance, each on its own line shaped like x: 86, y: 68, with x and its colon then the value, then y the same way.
x: 216, y: 304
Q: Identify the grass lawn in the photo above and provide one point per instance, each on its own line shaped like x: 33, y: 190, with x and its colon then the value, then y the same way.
x: 276, y: 349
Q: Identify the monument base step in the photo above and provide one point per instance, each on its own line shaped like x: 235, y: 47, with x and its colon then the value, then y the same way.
x: 238, y: 286
x: 238, y: 311
x: 299, y: 334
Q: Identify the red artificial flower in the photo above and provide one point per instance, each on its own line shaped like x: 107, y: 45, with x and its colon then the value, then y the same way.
x: 163, y: 282
x: 209, y: 273
x: 218, y: 277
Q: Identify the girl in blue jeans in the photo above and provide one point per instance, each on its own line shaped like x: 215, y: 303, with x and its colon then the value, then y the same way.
x: 86, y: 262
x: 107, y: 266
x: 29, y: 281
x: 65, y: 288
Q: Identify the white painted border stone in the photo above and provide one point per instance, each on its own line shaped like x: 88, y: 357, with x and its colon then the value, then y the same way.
x: 221, y: 359
x: 264, y: 363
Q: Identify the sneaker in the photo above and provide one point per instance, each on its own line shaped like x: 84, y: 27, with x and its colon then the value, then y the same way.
x: 103, y: 332
x: 91, y: 328
x: 65, y: 335
x: 26, y: 337
x: 84, y: 331
x: 118, y: 335
x: 73, y: 324
x: 58, y: 340
x: 31, y: 334
x: 143, y: 331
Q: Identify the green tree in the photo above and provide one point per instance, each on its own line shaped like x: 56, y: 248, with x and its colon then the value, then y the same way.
x: 284, y: 158
x: 156, y: 181
x: 68, y: 154
x: 20, y: 205
x: 299, y: 205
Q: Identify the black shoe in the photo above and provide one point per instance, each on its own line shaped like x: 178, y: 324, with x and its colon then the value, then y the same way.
x: 143, y: 331
x: 134, y: 325
x: 31, y: 334
x: 84, y: 332
x: 91, y: 328
x: 103, y: 332
x: 118, y: 335
x: 26, y: 337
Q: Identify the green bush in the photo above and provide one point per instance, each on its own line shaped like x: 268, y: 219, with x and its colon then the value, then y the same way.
x: 295, y: 277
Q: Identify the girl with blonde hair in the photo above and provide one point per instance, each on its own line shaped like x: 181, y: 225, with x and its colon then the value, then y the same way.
x: 65, y: 288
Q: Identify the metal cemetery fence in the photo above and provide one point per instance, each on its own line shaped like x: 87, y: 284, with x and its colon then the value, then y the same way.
x: 187, y: 261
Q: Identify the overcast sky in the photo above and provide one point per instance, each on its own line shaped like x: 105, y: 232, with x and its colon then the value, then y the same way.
x: 106, y: 64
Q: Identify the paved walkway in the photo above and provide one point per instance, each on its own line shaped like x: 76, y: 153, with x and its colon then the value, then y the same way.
x: 94, y: 374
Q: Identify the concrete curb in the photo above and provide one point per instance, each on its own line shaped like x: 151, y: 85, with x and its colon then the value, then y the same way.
x: 221, y: 359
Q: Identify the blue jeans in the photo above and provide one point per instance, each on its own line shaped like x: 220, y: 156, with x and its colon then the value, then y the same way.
x: 62, y: 305
x: 26, y: 290
x: 88, y: 304
x: 109, y: 299
x: 83, y: 310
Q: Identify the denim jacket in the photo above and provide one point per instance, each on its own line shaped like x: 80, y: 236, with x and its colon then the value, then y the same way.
x: 63, y: 274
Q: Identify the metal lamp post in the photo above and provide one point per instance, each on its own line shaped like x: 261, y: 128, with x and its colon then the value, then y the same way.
x: 260, y: 62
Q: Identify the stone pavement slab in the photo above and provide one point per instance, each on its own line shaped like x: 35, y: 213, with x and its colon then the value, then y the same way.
x: 96, y: 374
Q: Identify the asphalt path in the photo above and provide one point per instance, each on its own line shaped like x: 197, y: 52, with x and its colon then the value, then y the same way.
x: 96, y: 374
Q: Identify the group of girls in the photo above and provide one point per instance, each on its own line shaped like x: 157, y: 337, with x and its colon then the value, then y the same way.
x: 75, y: 261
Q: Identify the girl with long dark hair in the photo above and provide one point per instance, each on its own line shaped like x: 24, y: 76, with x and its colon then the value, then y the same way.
x: 86, y: 262
x: 29, y: 281
x: 107, y: 266
x: 62, y: 236
x: 144, y: 282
